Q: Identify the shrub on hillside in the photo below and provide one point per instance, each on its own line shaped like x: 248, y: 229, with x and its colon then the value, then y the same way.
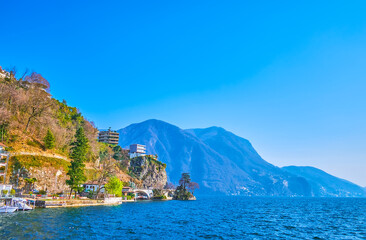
x: 49, y: 140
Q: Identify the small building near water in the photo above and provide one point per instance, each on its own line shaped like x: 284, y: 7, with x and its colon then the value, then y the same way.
x: 93, y: 187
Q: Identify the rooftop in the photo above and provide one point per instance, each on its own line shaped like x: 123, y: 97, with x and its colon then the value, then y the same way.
x: 94, y: 183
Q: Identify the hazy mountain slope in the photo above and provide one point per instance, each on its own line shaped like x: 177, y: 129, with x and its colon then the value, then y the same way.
x: 237, y: 149
x: 175, y: 147
x: 241, y: 152
x: 218, y: 160
x: 324, y: 184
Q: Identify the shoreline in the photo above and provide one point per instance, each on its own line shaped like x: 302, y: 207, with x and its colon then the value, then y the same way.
x: 86, y: 203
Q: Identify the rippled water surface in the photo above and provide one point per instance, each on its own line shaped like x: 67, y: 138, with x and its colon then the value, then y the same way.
x: 206, y: 218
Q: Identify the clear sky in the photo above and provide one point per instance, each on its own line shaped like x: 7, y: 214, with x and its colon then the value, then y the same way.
x: 288, y: 76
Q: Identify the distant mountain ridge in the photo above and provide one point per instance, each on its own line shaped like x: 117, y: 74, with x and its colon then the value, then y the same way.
x: 324, y: 184
x: 220, y: 161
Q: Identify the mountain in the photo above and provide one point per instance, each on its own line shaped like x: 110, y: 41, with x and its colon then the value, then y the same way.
x: 221, y: 162
x: 224, y: 163
x: 324, y: 184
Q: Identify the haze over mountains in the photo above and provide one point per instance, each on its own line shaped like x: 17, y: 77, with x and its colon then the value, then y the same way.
x: 324, y: 184
x: 223, y: 163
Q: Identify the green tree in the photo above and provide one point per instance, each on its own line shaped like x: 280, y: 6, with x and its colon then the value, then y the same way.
x: 49, y: 140
x: 186, y: 185
x: 4, y: 128
x: 30, y: 183
x: 158, y: 194
x: 79, y: 150
x: 120, y: 154
x: 114, y: 186
x: 185, y: 180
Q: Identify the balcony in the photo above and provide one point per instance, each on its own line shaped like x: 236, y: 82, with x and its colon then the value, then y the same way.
x: 3, y: 153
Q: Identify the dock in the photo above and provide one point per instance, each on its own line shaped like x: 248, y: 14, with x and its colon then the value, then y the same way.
x: 58, y: 203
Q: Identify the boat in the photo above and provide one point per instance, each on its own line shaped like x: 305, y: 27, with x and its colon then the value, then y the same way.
x: 21, y: 204
x: 14, y: 204
x: 7, y: 209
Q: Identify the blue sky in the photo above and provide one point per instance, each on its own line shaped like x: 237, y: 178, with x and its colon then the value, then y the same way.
x: 288, y: 76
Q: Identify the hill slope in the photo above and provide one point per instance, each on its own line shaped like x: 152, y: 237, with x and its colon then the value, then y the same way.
x: 324, y: 184
x: 218, y: 160
x: 29, y: 113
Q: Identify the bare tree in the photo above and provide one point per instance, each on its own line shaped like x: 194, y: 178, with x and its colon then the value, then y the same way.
x: 38, y: 103
x: 104, y: 171
x: 170, y: 185
x: 38, y: 80
x: 92, y: 133
x: 193, y: 186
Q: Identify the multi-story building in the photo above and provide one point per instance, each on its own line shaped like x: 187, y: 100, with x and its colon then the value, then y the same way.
x: 2, y: 73
x: 4, y: 159
x: 109, y: 136
x: 137, y: 150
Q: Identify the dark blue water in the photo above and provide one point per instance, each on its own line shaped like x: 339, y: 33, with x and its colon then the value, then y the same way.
x: 206, y: 218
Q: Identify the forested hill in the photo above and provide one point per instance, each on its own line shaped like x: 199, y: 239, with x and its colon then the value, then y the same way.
x: 28, y: 111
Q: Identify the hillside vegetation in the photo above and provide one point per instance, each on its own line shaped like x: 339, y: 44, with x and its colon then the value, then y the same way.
x: 40, y: 132
x: 28, y: 112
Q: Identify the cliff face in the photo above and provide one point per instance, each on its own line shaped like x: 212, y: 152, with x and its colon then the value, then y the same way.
x: 50, y: 173
x: 149, y: 172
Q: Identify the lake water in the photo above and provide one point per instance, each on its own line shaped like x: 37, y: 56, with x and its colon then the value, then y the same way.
x: 206, y: 218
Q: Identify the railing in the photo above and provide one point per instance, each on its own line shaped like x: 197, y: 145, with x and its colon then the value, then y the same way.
x: 6, y: 195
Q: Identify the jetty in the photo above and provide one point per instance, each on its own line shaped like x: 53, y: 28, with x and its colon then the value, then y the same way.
x: 57, y: 203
